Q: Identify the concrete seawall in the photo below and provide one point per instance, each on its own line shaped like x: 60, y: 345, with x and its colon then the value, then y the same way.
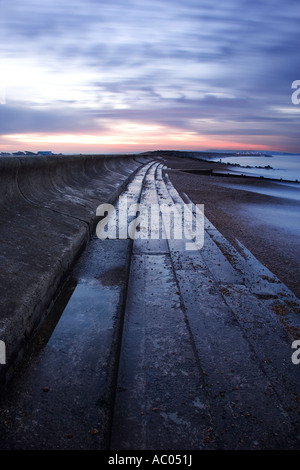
x: 48, y: 213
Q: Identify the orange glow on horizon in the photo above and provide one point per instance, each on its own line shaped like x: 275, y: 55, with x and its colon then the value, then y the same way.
x: 130, y: 137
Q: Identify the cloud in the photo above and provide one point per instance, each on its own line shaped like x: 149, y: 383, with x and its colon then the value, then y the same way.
x: 67, y: 64
x: 16, y: 119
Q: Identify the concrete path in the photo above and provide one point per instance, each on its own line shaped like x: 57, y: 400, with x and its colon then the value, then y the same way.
x: 205, y: 362
x: 163, y: 347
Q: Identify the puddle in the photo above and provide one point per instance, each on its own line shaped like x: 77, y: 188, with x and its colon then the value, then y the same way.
x: 114, y: 276
x: 49, y: 324
x: 81, y: 314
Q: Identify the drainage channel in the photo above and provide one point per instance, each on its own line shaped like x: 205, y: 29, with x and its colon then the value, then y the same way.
x: 62, y: 396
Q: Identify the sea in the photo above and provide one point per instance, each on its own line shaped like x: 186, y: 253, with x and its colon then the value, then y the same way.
x: 279, y: 166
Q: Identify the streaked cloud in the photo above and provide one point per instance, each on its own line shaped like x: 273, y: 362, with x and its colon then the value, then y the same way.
x: 80, y: 67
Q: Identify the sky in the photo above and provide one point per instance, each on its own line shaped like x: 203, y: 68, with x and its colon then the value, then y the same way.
x: 95, y: 76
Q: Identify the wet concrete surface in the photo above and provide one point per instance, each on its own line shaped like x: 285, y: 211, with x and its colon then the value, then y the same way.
x: 213, y: 347
x: 47, y: 214
x: 161, y: 401
x: 64, y: 394
x: 160, y: 347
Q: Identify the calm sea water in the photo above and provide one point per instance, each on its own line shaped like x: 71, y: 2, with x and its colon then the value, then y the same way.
x: 279, y: 166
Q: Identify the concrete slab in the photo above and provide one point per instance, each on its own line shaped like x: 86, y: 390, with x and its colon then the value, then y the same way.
x: 161, y: 402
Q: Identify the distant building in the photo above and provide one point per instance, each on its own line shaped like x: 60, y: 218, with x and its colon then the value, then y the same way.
x: 48, y: 152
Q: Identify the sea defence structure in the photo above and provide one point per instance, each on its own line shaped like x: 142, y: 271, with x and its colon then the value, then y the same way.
x: 158, y: 342
x: 47, y: 212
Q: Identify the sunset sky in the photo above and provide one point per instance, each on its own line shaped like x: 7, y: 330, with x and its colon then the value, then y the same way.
x: 94, y: 76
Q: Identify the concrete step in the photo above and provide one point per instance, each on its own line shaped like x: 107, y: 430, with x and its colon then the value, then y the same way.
x: 241, y: 385
x: 47, y: 215
x: 62, y: 396
x: 160, y: 401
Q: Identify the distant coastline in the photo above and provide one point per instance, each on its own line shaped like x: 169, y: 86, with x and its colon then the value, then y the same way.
x: 272, y: 165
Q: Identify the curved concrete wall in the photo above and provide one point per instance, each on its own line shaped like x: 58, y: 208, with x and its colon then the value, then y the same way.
x: 47, y: 214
